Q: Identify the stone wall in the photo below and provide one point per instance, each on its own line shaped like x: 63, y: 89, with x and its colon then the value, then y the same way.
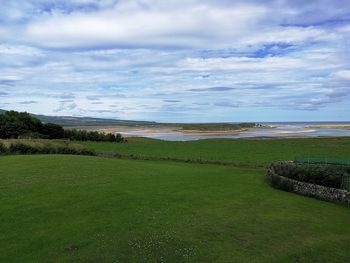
x: 307, y: 189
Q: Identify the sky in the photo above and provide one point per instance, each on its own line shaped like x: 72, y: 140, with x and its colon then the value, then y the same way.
x: 177, y: 60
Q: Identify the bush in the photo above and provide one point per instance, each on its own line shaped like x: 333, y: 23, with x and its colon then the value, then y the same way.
x: 3, y: 149
x: 82, y: 135
x: 52, y: 131
x: 320, y: 174
x: 22, y: 148
x: 43, y: 147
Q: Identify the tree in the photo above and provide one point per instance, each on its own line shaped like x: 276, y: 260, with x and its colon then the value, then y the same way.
x: 18, y: 124
x: 14, y: 124
x: 53, y: 131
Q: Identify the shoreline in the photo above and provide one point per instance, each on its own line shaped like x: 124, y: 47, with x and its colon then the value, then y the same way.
x: 213, y: 133
x: 330, y: 126
x: 293, y: 131
x: 177, y: 133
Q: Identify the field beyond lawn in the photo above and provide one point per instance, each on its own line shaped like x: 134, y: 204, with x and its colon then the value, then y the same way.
x: 56, y: 208
x: 243, y: 152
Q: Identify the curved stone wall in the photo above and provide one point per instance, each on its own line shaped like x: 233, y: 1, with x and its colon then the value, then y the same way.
x: 307, y: 189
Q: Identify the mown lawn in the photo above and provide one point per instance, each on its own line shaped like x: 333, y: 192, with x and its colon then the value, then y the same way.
x: 57, y: 208
x: 237, y: 151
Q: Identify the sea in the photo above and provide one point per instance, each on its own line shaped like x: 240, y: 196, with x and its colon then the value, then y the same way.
x: 281, y: 129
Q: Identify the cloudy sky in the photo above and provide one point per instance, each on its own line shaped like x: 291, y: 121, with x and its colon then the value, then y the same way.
x: 177, y: 60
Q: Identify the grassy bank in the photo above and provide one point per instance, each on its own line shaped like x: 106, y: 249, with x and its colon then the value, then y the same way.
x: 89, y: 209
x: 235, y: 151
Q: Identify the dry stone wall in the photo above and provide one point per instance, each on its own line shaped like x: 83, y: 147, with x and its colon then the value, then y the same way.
x: 307, y: 189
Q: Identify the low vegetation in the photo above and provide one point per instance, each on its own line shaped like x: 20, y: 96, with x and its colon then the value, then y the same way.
x: 15, y: 125
x: 42, y: 147
x: 83, y: 135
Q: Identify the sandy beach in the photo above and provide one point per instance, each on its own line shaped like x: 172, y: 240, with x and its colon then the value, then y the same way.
x: 146, y: 130
x: 331, y: 126
x: 292, y: 131
x: 177, y: 133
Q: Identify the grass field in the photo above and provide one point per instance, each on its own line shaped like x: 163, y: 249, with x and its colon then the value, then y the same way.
x: 244, y: 152
x: 89, y: 209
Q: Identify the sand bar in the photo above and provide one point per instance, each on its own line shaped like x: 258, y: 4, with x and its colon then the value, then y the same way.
x: 292, y: 131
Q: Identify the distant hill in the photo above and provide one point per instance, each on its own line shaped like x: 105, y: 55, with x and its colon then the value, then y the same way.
x: 87, y: 121
x: 70, y: 121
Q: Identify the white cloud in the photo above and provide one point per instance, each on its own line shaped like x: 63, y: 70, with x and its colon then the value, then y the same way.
x: 292, y: 34
x: 131, y: 25
x: 343, y: 74
x: 256, y: 64
x: 154, y: 24
x: 10, y: 78
x: 18, y: 50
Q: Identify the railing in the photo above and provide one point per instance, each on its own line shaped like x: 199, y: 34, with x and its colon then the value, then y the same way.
x: 322, y: 160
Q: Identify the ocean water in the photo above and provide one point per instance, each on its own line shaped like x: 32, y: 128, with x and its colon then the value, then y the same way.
x: 282, y: 129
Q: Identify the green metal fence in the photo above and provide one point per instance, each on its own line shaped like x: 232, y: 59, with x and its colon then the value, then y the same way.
x: 322, y: 160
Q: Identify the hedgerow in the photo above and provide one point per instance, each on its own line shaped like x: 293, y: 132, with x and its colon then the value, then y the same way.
x: 3, y: 149
x: 43, y: 147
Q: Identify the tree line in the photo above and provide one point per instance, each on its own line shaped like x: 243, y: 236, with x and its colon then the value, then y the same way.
x: 14, y: 125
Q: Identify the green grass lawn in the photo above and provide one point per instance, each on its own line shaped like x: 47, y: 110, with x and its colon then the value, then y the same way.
x: 237, y: 151
x: 57, y: 208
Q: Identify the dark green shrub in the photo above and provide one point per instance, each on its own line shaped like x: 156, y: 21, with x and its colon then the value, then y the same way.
x: 320, y: 174
x: 46, y: 149
x: 52, y: 131
x: 88, y: 152
x: 82, y: 135
x: 22, y: 148
x: 3, y: 149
